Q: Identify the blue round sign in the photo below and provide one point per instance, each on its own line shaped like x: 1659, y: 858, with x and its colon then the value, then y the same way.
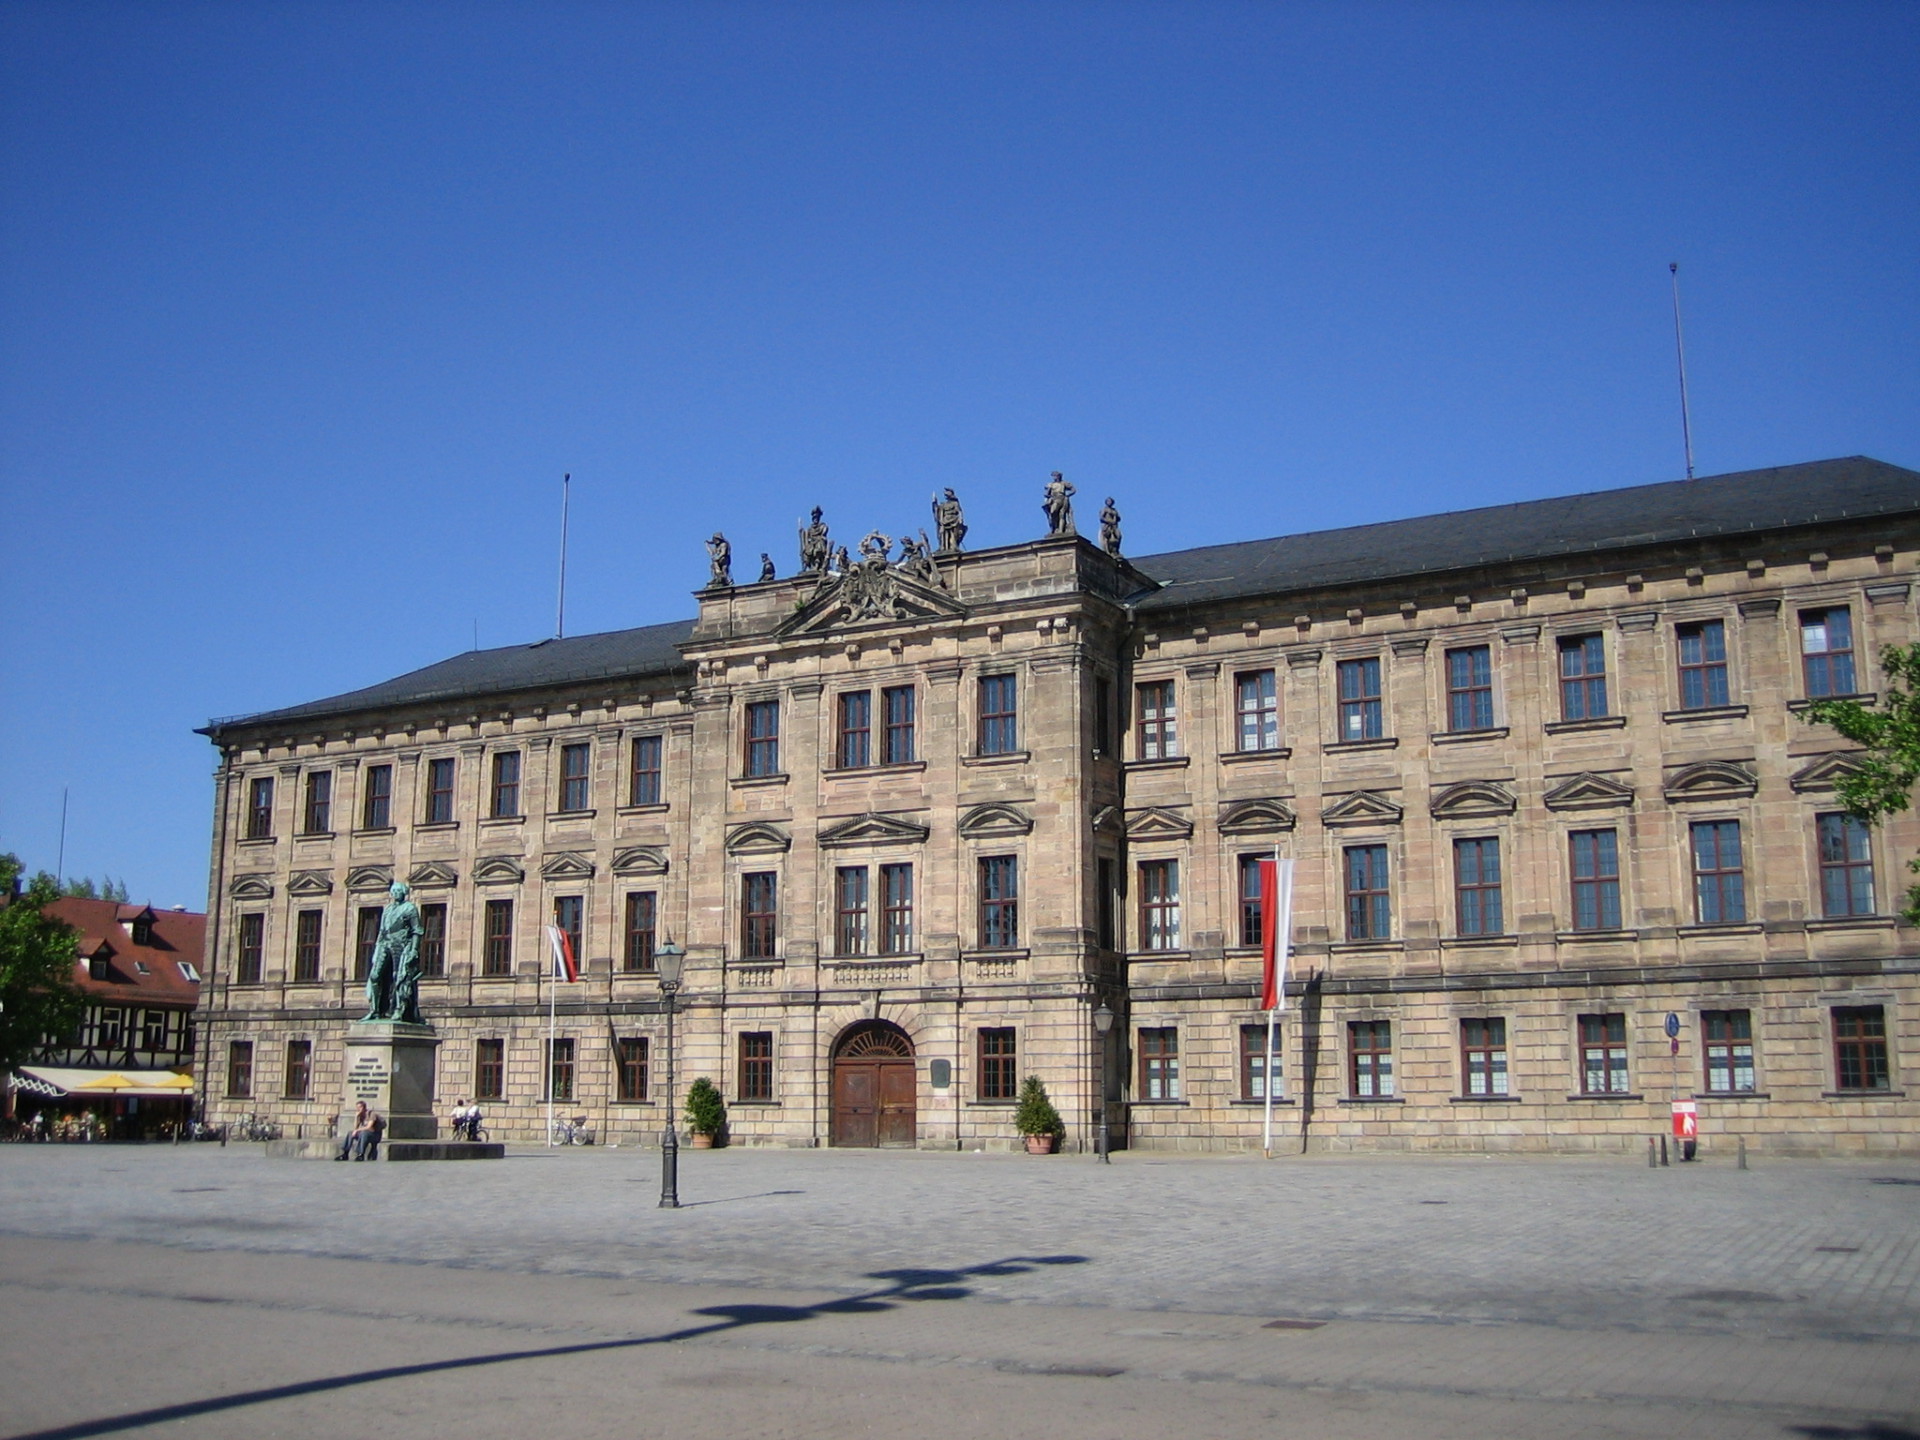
x: 1673, y: 1025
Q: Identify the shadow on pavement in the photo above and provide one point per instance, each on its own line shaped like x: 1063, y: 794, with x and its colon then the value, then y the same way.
x: 904, y: 1285
x: 1872, y: 1430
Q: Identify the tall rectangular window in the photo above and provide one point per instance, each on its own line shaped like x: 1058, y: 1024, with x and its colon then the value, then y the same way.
x: 239, y: 1069
x: 999, y: 1079
x: 1719, y: 884
x: 1596, y: 879
x: 260, y: 808
x: 366, y: 937
x: 306, y: 947
x: 640, y: 929
x: 559, y: 1071
x: 643, y: 775
x: 1860, y: 1048
x: 1256, y: 707
x: 759, y: 915
x: 576, y: 777
x: 1369, y: 915
x: 756, y: 1066
x: 570, y: 918
x: 1160, y: 1064
x: 1483, y: 1056
x: 433, y: 941
x: 630, y: 1069
x: 1846, y: 866
x: 1603, y: 1054
x: 1703, y: 664
x: 1252, y: 902
x: 317, y: 816
x: 1158, y: 734
x: 250, y: 947
x: 1470, y: 688
x: 1102, y: 715
x: 896, y: 909
x: 1826, y: 651
x: 1370, y: 1059
x: 1583, y: 677
x: 299, y: 1073
x: 1160, y: 904
x: 496, y: 954
x: 1728, y: 1036
x: 1360, y: 714
x: 999, y: 902
x: 505, y: 800
x: 439, y: 809
x: 1476, y: 887
x: 1253, y: 1063
x: 897, y: 701
x: 999, y: 715
x: 376, y: 809
x: 853, y: 746
x: 850, y: 910
x: 489, y: 1069
x: 1107, y: 902
x: 763, y: 738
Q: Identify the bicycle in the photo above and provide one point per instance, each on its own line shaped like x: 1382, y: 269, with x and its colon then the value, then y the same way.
x: 570, y: 1132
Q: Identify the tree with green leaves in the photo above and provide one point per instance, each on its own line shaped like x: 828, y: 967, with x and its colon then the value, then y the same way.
x: 1889, y: 734
x: 38, y: 998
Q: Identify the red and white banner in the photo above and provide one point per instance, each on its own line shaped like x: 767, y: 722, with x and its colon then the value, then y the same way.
x: 565, y: 968
x: 1276, y: 930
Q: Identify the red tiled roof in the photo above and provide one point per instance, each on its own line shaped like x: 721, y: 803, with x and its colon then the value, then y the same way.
x: 149, y: 974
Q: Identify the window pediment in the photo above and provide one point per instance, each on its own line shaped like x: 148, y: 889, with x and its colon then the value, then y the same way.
x: 758, y: 837
x: 498, y: 870
x: 872, y: 828
x: 1711, y: 780
x: 251, y: 887
x: 1824, y: 772
x: 369, y: 877
x: 640, y: 860
x: 1158, y: 823
x: 1362, y: 807
x: 1106, y: 819
x: 1588, y: 791
x: 566, y: 865
x: 310, y: 882
x: 1472, y: 798
x: 988, y: 821
x: 433, y: 875
x: 1256, y: 817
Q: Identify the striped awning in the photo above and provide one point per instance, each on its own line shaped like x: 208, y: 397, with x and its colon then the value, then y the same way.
x: 59, y: 1081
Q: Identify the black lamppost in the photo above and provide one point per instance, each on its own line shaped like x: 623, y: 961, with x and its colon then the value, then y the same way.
x: 668, y: 958
x: 1102, y: 1023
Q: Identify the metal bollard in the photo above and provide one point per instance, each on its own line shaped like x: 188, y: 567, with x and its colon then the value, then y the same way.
x: 1663, y: 1150
x: 1652, y: 1162
x: 1740, y: 1162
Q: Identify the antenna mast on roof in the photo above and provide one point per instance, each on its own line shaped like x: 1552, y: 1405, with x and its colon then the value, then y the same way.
x: 1680, y: 350
x: 560, y: 618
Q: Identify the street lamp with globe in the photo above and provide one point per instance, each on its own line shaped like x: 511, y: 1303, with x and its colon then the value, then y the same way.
x: 1102, y: 1024
x: 668, y: 959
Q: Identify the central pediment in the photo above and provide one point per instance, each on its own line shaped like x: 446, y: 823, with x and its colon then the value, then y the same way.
x: 871, y: 595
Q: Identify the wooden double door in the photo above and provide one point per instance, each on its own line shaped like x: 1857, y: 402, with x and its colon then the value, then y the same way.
x: 873, y: 1087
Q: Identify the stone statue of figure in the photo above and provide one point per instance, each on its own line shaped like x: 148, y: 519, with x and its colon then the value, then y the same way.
x: 841, y: 564
x: 720, y: 556
x: 814, y: 549
x: 948, y: 523
x: 766, y: 567
x: 1058, y: 503
x: 1110, y: 528
x: 393, y: 979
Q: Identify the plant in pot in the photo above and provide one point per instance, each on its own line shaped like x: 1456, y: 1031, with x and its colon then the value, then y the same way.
x: 706, y: 1114
x: 1036, y: 1119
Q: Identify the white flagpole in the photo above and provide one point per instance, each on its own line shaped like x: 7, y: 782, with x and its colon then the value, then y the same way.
x: 553, y: 1001
x: 1282, y: 940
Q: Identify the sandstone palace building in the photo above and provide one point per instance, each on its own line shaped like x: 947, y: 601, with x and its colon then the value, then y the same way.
x: 1542, y: 767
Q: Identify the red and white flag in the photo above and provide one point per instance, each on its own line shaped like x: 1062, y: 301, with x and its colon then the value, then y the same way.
x: 1276, y: 931
x: 565, y: 968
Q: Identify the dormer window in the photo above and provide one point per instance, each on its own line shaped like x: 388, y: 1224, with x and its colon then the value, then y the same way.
x: 142, y: 927
x: 98, y: 962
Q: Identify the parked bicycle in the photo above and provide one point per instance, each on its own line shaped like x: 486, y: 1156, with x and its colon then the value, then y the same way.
x: 571, y: 1132
x: 254, y: 1128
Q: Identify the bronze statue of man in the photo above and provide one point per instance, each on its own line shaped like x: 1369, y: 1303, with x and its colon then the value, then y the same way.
x: 393, y: 979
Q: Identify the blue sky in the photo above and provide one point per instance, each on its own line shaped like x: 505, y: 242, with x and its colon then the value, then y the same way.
x: 304, y: 309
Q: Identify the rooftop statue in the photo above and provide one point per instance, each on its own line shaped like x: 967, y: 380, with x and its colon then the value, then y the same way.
x: 766, y: 567
x: 393, y: 978
x: 815, y: 551
x: 1058, y: 503
x: 948, y: 522
x: 720, y: 557
x: 1110, y: 528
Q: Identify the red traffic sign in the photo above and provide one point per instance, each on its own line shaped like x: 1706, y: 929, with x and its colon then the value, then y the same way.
x: 1686, y: 1120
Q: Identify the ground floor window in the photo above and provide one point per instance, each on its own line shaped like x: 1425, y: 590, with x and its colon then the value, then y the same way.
x: 560, y: 1071
x: 490, y: 1070
x: 1860, y: 1048
x: 299, y: 1069
x: 239, y: 1069
x: 1253, y: 1063
x: 1160, y: 1064
x: 756, y: 1065
x: 1483, y: 1056
x: 630, y: 1069
x: 1370, y: 1059
x: 1603, y: 1054
x: 1728, y: 1035
x: 997, y: 1065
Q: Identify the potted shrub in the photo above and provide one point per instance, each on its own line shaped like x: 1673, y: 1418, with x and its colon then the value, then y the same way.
x: 706, y: 1114
x: 1036, y: 1119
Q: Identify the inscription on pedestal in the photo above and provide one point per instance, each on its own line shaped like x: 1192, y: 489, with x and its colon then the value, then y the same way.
x: 367, y: 1079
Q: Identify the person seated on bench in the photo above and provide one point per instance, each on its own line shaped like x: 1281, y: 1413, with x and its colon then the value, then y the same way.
x: 350, y: 1142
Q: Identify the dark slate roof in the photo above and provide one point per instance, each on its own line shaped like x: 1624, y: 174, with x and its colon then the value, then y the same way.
x: 1786, y: 497
x: 614, y: 655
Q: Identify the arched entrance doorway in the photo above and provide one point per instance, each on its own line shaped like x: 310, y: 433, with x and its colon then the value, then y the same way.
x: 873, y: 1087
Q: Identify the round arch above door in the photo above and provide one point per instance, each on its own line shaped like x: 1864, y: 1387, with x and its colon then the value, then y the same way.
x: 874, y: 1087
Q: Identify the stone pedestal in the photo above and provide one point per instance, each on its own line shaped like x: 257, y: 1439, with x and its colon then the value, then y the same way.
x: 390, y: 1066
